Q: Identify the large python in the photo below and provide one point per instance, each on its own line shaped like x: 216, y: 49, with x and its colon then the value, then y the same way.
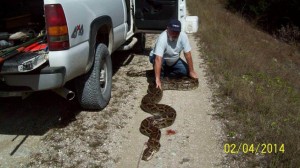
x: 163, y: 115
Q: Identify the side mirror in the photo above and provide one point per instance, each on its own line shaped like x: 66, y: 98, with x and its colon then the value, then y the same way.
x: 191, y: 24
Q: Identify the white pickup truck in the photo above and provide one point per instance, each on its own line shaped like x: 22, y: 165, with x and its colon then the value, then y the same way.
x: 75, y: 39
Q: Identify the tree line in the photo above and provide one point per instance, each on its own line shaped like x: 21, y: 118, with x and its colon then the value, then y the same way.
x: 281, y: 17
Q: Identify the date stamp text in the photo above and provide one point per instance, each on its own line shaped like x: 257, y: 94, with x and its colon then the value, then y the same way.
x: 261, y: 148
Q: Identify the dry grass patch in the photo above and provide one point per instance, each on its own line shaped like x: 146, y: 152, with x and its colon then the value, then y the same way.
x: 261, y: 77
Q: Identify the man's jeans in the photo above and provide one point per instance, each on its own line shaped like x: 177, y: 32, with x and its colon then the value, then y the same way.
x: 179, y: 69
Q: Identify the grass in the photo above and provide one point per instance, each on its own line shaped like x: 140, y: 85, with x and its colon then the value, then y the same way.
x: 260, y: 75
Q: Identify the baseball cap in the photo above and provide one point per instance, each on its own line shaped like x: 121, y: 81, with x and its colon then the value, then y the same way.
x: 174, y: 25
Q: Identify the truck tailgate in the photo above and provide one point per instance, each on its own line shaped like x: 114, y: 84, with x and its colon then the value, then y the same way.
x: 24, y: 62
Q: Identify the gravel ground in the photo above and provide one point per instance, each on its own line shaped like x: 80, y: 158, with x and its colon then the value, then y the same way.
x: 31, y: 136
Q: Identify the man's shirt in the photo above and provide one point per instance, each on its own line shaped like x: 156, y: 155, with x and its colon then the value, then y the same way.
x: 170, y: 50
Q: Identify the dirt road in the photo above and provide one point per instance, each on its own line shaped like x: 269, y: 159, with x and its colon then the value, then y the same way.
x: 111, y: 138
x: 195, y: 142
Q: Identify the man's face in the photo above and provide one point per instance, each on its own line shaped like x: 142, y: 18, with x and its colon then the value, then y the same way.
x: 172, y: 35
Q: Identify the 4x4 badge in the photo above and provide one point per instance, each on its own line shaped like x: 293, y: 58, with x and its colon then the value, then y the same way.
x: 77, y: 30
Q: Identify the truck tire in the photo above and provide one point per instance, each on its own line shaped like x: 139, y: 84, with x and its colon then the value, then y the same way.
x: 94, y: 88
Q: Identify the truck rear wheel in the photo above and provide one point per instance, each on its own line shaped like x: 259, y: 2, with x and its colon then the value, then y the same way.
x: 94, y: 88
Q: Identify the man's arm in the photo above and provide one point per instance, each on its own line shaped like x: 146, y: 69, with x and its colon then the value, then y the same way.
x: 189, y: 60
x: 157, y: 70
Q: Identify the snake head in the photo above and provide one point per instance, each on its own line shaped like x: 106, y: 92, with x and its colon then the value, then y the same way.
x: 148, y: 154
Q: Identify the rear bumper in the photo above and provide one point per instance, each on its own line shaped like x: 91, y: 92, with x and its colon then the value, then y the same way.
x: 44, y: 79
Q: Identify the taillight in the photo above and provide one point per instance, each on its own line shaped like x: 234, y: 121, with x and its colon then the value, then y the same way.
x: 57, y: 29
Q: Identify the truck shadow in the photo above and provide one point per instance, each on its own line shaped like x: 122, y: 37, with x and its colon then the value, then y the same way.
x: 123, y: 58
x: 36, y: 114
x: 42, y: 111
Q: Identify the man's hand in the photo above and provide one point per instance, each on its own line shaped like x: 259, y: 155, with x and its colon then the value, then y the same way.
x: 193, y: 74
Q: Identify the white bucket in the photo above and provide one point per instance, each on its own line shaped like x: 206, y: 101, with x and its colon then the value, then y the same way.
x: 191, y: 24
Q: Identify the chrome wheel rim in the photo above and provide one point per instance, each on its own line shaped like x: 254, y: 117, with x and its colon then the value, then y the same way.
x: 103, y: 75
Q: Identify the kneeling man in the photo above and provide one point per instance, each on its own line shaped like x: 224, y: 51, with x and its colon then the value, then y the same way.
x: 166, y: 54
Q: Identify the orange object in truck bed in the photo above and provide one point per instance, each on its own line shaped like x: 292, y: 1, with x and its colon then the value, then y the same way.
x: 39, y: 47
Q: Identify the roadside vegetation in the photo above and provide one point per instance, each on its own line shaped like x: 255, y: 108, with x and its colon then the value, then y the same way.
x: 258, y: 86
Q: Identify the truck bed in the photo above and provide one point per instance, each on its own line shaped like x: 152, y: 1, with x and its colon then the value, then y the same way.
x: 20, y: 22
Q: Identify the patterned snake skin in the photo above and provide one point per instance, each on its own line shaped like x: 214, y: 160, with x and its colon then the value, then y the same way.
x: 162, y: 115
